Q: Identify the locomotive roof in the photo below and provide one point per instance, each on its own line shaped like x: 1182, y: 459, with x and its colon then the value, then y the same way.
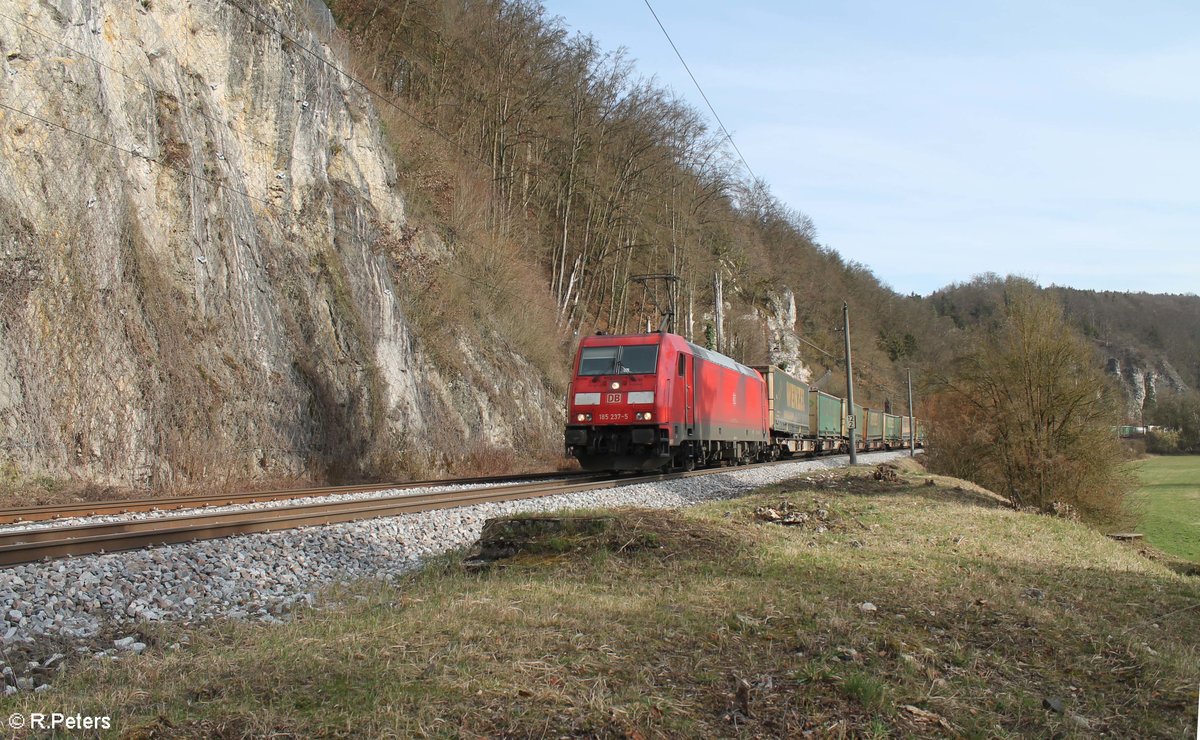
x: 612, y: 340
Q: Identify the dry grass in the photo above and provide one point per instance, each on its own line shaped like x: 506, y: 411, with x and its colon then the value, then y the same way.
x: 717, y: 624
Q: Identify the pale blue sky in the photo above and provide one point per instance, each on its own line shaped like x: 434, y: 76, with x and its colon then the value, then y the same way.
x: 933, y: 141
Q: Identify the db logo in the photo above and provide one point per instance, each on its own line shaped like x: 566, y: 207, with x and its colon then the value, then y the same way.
x: 613, y: 398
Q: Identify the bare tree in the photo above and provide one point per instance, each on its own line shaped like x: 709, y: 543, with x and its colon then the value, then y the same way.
x: 1027, y: 413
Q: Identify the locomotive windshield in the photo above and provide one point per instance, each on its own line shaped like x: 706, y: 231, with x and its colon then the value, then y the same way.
x: 598, y: 361
x: 636, y: 359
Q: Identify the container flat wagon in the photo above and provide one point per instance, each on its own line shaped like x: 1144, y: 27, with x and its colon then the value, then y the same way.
x: 873, y: 439
x: 892, y: 436
x: 825, y: 420
x: 788, y: 415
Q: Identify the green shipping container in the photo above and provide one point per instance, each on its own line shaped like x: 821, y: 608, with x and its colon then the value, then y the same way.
x: 874, y: 426
x: 892, y: 428
x: 787, y: 402
x: 825, y: 414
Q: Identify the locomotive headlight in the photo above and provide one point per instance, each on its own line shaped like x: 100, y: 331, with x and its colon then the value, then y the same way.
x: 579, y: 417
x: 647, y: 416
x: 615, y: 385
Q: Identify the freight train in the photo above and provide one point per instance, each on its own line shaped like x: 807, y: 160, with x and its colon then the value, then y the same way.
x: 647, y: 402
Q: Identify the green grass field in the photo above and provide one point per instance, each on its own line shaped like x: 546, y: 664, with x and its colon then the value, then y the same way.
x: 1170, y: 502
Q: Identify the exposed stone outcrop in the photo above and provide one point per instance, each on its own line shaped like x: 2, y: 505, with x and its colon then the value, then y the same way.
x: 1143, y: 379
x: 783, y: 342
x: 192, y: 283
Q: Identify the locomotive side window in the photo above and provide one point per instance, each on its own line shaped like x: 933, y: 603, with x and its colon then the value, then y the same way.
x: 682, y: 364
x: 598, y: 361
x: 638, y: 359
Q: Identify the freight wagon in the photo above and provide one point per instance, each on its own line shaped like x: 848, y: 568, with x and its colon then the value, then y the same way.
x: 826, y: 420
x: 873, y: 439
x: 892, y: 436
x: 788, y: 415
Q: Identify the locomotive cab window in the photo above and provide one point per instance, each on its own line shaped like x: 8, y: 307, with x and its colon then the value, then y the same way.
x: 598, y: 361
x: 682, y: 364
x: 638, y: 359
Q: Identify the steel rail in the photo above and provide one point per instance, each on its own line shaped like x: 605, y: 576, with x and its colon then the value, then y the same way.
x: 56, y: 542
x: 44, y: 543
x: 84, y: 530
x: 125, y: 506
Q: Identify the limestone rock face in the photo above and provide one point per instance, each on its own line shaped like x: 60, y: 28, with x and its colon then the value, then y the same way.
x: 193, y: 282
x: 1143, y: 379
x: 784, y: 344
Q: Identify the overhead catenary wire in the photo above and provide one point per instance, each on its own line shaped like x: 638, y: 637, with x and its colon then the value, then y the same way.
x: 820, y: 349
x: 713, y: 110
x: 842, y: 360
x: 258, y: 19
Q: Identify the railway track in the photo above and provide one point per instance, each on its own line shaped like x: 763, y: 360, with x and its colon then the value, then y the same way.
x: 30, y: 545
x: 126, y: 506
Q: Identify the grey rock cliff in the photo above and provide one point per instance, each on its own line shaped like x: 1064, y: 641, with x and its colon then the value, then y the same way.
x: 192, y: 278
x: 1143, y: 379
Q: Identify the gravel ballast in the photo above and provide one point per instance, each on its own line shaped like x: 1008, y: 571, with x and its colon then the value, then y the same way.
x: 263, y: 576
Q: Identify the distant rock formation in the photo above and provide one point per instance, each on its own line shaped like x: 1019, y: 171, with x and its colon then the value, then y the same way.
x: 783, y: 348
x: 1142, y: 379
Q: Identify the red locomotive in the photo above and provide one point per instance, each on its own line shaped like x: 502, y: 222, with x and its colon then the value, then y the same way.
x: 643, y: 402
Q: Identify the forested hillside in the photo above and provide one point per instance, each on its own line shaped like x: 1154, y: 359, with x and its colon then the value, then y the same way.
x: 1157, y: 328
x: 1149, y: 343
x: 519, y: 138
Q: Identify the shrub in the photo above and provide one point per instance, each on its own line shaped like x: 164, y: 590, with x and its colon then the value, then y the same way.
x: 1164, y: 442
x: 1025, y: 413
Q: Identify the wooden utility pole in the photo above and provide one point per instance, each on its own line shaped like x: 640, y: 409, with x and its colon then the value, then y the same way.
x: 849, y: 384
